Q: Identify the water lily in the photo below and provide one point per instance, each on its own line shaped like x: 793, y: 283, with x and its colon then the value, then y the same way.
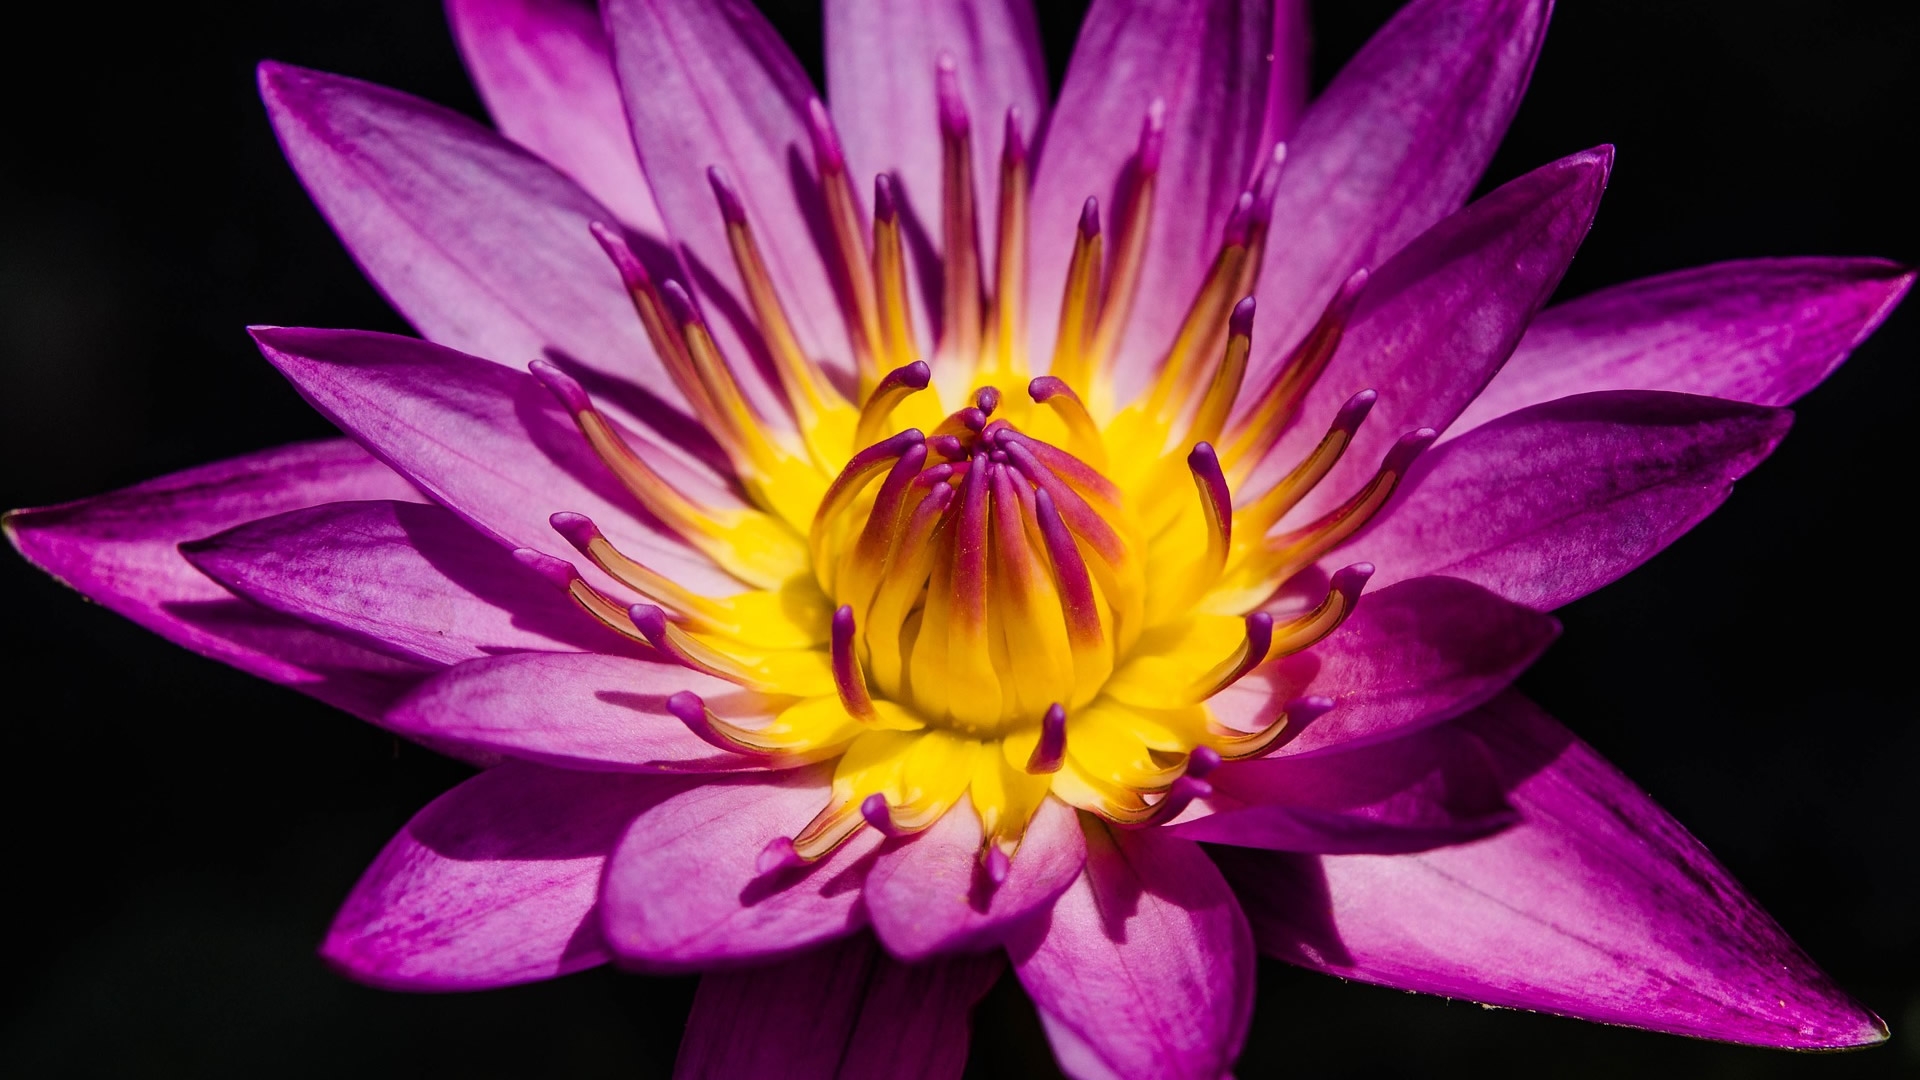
x: 871, y: 546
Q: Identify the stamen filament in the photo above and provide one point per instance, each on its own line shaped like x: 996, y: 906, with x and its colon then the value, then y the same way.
x: 843, y: 215
x: 890, y: 281
x: 1275, y: 405
x: 1129, y: 253
x: 960, y: 231
x: 1079, y: 300
x: 1010, y: 273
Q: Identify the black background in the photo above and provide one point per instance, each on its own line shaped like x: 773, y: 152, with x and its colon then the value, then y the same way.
x: 177, y: 834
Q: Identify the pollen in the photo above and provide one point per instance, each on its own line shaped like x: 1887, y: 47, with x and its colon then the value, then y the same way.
x: 960, y: 578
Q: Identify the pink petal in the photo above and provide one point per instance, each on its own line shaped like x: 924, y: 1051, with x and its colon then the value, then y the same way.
x: 411, y: 580
x: 494, y: 883
x: 880, y: 64
x: 573, y: 710
x: 1599, y: 906
x: 1429, y: 789
x: 1412, y: 655
x: 1287, y: 83
x: 1761, y: 330
x: 1438, y: 320
x: 685, y: 890
x: 1145, y: 966
x: 546, y: 73
x: 846, y: 1011
x: 486, y: 441
x: 928, y: 894
x: 121, y: 550
x: 708, y: 82
x: 1397, y: 142
x: 1549, y: 503
x: 1211, y: 63
x: 482, y: 246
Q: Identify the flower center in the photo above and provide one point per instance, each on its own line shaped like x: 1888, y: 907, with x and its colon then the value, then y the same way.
x: 1036, y: 593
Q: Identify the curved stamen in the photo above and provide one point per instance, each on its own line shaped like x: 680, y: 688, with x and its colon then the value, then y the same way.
x: 651, y: 308
x: 1216, y: 502
x: 895, y: 387
x: 691, y: 710
x: 1211, y: 417
x: 1285, y: 555
x: 1266, y: 511
x: 1308, y: 629
x: 843, y: 215
x: 890, y: 279
x: 961, y: 322
x: 848, y: 679
x: 1244, y: 745
x: 851, y: 481
x: 1083, y: 435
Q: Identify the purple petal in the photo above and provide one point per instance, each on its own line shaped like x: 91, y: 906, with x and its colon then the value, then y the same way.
x: 1549, y: 503
x: 1288, y: 82
x: 494, y: 883
x: 546, y: 73
x: 486, y: 441
x: 121, y: 550
x: 1599, y: 906
x: 1397, y: 142
x: 1411, y: 655
x: 880, y: 64
x: 482, y: 246
x: 573, y: 710
x: 684, y: 890
x: 1432, y: 788
x: 1145, y: 966
x: 1211, y: 63
x: 709, y: 82
x: 928, y: 894
x: 1438, y: 320
x: 844, y: 1012
x: 1762, y: 330
x: 411, y: 580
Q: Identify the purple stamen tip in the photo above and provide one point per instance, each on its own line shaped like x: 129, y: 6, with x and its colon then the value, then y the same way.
x: 1350, y: 291
x: 1349, y: 580
x: 916, y: 375
x: 987, y: 398
x: 1303, y: 709
x: 939, y: 474
x: 1259, y: 636
x: 1046, y: 388
x: 972, y: 418
x: 649, y: 620
x: 1016, y: 140
x: 828, y: 156
x: 561, y: 385
x: 1239, y: 227
x: 1240, y: 323
x: 578, y: 529
x: 1090, y: 218
x: 632, y: 274
x: 998, y: 457
x: 1202, y: 459
x: 1410, y: 446
x: 947, y: 446
x: 1202, y: 761
x: 687, y: 707
x: 874, y: 808
x: 778, y: 855
x: 1051, y: 751
x: 679, y: 304
x: 842, y: 627
x: 731, y: 207
x: 1355, y: 411
x: 998, y: 865
x: 558, y: 571
x: 1153, y: 137
x: 946, y: 88
x: 884, y: 206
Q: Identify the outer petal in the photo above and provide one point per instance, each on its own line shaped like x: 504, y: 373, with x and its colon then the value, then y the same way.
x: 844, y: 1011
x: 1397, y: 142
x: 1210, y: 62
x: 684, y: 892
x: 1549, y: 503
x: 1439, y: 319
x: 481, y: 245
x: 120, y: 550
x: 486, y: 441
x: 1435, y: 787
x: 546, y: 74
x: 1761, y: 330
x: 708, y: 82
x: 1413, y: 654
x: 492, y: 884
x: 1144, y: 967
x: 1600, y: 906
x: 927, y: 893
x: 880, y: 63
x: 414, y: 581
x: 573, y: 710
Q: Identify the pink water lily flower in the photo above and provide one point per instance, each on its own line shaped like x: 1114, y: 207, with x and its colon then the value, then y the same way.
x: 873, y: 542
